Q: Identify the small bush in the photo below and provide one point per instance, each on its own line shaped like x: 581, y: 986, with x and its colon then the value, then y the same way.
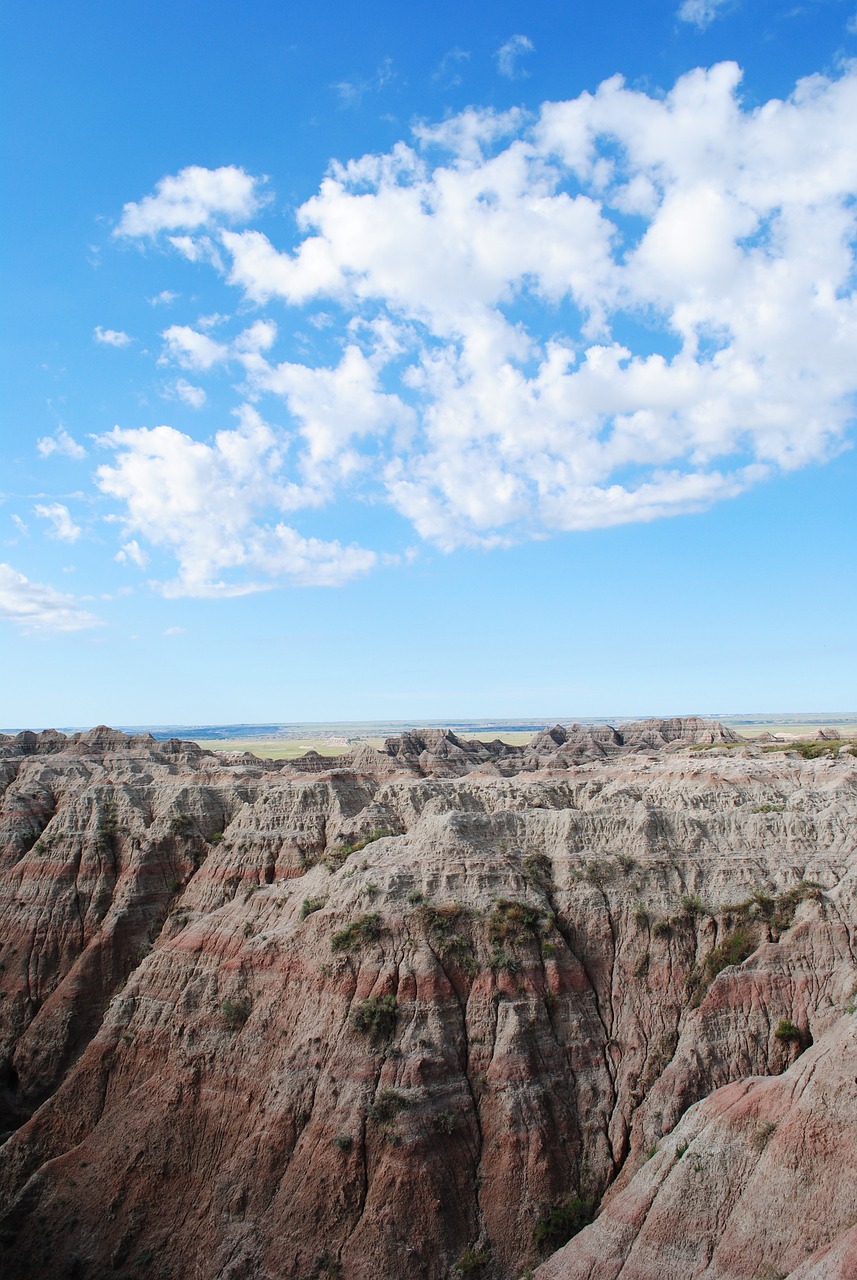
x: 415, y: 897
x: 182, y: 825
x: 375, y: 1016
x: 309, y: 905
x: 365, y: 929
x: 559, y: 1223
x: 235, y: 1013
x: 342, y: 852
x: 387, y: 1105
x: 501, y: 959
x: 445, y: 1122
x: 512, y: 921
x: 787, y: 1032
x: 539, y: 868
x: 472, y: 1264
x: 661, y: 929
x: 691, y: 905
x: 343, y: 1142
x: 733, y: 949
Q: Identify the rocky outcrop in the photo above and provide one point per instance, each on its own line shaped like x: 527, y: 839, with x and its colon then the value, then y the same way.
x: 396, y: 1013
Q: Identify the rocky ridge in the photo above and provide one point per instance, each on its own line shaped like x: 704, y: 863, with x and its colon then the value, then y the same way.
x: 420, y: 1011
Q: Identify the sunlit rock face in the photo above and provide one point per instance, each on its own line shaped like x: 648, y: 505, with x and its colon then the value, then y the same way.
x: 387, y: 1014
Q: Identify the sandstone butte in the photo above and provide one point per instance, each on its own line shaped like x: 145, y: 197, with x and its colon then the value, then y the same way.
x: 426, y: 1011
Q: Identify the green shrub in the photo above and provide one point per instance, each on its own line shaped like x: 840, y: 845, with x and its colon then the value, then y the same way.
x: 386, y: 1106
x: 375, y: 1016
x: 181, y: 825
x: 511, y: 921
x: 309, y: 905
x: 445, y: 1122
x: 343, y: 1142
x: 472, y: 1264
x: 691, y: 905
x: 364, y: 929
x: 734, y: 948
x: 539, y: 868
x: 788, y: 1032
x: 235, y: 1013
x: 559, y: 1223
x: 661, y: 929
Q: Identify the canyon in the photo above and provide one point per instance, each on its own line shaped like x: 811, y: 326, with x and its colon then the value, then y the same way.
x: 579, y: 1010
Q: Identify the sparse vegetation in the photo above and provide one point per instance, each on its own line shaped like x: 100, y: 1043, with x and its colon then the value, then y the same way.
x: 386, y: 1106
x: 734, y: 948
x: 692, y: 905
x: 512, y: 922
x: 472, y: 1264
x: 309, y: 905
x: 343, y: 1142
x: 337, y: 856
x: 181, y: 825
x: 539, y: 868
x: 558, y: 1224
x: 445, y: 1122
x: 235, y: 1013
x: 375, y: 1016
x: 768, y: 808
x: 787, y: 1032
x: 364, y: 929
x: 661, y: 929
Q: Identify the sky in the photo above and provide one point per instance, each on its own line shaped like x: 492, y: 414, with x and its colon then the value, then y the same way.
x: 452, y: 360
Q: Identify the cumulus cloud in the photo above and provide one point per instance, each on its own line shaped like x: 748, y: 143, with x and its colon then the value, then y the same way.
x: 63, y: 527
x: 624, y: 307
x: 60, y: 442
x: 701, y: 13
x: 132, y: 553
x: 191, y: 199
x: 34, y: 606
x: 171, y: 486
x: 163, y: 299
x: 111, y: 337
x: 509, y: 54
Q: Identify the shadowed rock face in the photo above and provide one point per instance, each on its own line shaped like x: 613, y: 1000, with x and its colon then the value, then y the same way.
x: 361, y: 1016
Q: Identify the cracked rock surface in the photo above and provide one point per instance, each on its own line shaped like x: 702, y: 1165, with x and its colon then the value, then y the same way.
x: 388, y: 1014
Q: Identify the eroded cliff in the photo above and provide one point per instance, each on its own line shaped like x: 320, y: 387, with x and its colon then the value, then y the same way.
x: 413, y: 1012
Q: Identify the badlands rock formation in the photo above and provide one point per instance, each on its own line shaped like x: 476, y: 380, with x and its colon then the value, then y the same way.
x: 424, y: 1011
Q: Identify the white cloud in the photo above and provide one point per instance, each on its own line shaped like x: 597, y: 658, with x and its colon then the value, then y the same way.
x: 163, y: 299
x: 190, y: 394
x: 60, y: 442
x: 191, y: 349
x: 111, y: 337
x: 628, y: 306
x: 193, y: 198
x: 215, y: 508
x: 37, y: 607
x: 508, y: 54
x: 701, y: 13
x: 174, y: 631
x: 59, y: 516
x: 132, y: 553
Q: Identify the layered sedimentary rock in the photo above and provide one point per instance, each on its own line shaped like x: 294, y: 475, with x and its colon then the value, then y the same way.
x: 418, y: 1011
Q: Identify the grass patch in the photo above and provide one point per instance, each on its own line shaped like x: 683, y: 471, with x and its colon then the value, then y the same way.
x: 364, y: 929
x: 375, y: 1016
x: 512, y: 922
x: 733, y: 949
x: 787, y: 1032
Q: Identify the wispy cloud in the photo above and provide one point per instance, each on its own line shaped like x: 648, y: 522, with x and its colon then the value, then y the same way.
x: 509, y: 55
x: 448, y: 70
x: 34, y: 606
x: 352, y: 92
x: 60, y: 442
x: 701, y: 13
x: 58, y: 515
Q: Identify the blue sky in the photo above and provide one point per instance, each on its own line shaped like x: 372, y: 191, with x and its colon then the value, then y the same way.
x: 378, y: 361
